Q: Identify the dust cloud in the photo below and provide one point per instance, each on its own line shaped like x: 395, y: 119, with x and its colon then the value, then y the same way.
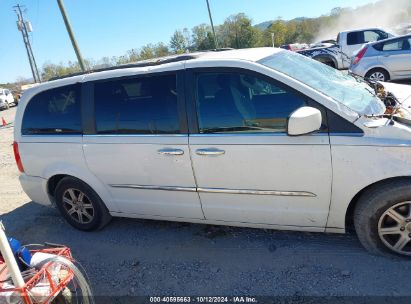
x: 393, y: 16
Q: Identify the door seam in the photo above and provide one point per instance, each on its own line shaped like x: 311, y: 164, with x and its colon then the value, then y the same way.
x: 195, y: 177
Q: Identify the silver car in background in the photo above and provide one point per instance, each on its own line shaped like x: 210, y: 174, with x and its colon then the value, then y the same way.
x: 384, y: 60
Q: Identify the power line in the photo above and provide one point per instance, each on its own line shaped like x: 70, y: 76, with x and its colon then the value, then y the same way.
x: 25, y: 27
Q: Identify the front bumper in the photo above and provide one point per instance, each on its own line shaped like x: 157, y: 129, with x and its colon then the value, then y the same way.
x: 36, y: 189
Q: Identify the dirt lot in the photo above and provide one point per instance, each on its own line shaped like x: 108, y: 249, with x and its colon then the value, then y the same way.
x: 139, y: 257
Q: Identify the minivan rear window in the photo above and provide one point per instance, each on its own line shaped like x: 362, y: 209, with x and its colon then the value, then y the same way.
x: 55, y: 111
x: 141, y: 105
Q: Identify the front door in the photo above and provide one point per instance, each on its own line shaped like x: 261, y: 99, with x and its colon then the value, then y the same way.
x: 247, y: 168
x: 140, y: 148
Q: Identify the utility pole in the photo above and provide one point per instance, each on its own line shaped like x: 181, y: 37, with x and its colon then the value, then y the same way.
x: 71, y: 34
x: 212, y: 25
x: 272, y: 38
x: 25, y: 27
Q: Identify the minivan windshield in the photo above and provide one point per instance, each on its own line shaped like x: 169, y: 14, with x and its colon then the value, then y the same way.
x: 354, y: 93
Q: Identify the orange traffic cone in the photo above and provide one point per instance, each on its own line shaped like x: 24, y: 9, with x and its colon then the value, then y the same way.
x: 3, y: 122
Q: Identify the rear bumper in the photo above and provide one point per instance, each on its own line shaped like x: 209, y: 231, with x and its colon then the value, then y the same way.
x: 357, y: 70
x: 36, y: 189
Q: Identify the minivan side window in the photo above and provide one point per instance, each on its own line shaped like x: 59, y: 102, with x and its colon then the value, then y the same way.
x: 237, y: 103
x: 141, y: 105
x: 55, y: 111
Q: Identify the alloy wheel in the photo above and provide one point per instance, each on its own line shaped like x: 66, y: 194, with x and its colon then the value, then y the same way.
x: 78, y: 206
x: 394, y: 228
x: 377, y: 76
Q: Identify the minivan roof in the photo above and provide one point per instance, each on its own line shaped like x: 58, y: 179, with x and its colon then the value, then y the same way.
x: 250, y: 54
x: 176, y: 62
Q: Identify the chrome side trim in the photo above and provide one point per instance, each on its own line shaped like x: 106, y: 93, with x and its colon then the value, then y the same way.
x: 248, y: 134
x: 135, y: 135
x: 256, y: 192
x: 165, y: 188
x: 217, y: 190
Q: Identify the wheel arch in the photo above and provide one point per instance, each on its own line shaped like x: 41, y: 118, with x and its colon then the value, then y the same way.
x: 327, y: 58
x: 90, y: 180
x: 52, y: 183
x: 349, y: 215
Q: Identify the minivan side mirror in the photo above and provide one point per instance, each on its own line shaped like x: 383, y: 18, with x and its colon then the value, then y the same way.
x: 303, y: 121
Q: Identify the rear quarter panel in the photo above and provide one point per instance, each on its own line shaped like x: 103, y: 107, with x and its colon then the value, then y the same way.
x: 48, y: 155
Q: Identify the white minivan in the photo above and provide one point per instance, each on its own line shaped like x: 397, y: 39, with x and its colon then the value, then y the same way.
x: 255, y: 137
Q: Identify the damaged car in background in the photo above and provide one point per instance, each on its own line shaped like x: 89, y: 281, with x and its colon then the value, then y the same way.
x: 338, y: 55
x: 389, y: 59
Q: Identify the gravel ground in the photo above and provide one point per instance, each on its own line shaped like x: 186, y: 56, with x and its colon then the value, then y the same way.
x: 152, y: 258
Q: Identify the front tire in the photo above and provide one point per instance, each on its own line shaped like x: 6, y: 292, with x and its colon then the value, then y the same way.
x: 80, y: 205
x: 382, y: 218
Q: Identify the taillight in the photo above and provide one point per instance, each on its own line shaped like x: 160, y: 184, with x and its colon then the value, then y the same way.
x: 17, y: 157
x: 360, y: 54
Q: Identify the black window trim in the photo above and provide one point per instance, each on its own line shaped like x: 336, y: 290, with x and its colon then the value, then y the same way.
x: 89, y: 121
x: 344, y: 126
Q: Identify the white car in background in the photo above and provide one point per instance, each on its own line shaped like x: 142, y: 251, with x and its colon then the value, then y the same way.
x: 262, y: 138
x: 6, y: 99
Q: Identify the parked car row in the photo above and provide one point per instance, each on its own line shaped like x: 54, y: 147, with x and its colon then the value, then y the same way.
x: 370, y: 53
x: 262, y: 138
x: 338, y: 54
x: 389, y: 59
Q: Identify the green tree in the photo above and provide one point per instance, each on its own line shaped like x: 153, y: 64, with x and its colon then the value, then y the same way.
x: 202, y: 37
x: 238, y: 32
x: 280, y: 30
x: 178, y: 42
x: 161, y: 49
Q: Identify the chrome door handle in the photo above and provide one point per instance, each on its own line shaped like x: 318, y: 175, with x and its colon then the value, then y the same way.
x: 210, y: 151
x: 169, y: 151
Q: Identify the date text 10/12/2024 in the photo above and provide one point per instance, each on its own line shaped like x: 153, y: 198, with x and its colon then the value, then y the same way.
x: 199, y: 299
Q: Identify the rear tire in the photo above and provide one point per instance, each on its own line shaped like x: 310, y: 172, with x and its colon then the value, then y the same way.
x: 382, y: 219
x: 377, y: 75
x: 80, y: 205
